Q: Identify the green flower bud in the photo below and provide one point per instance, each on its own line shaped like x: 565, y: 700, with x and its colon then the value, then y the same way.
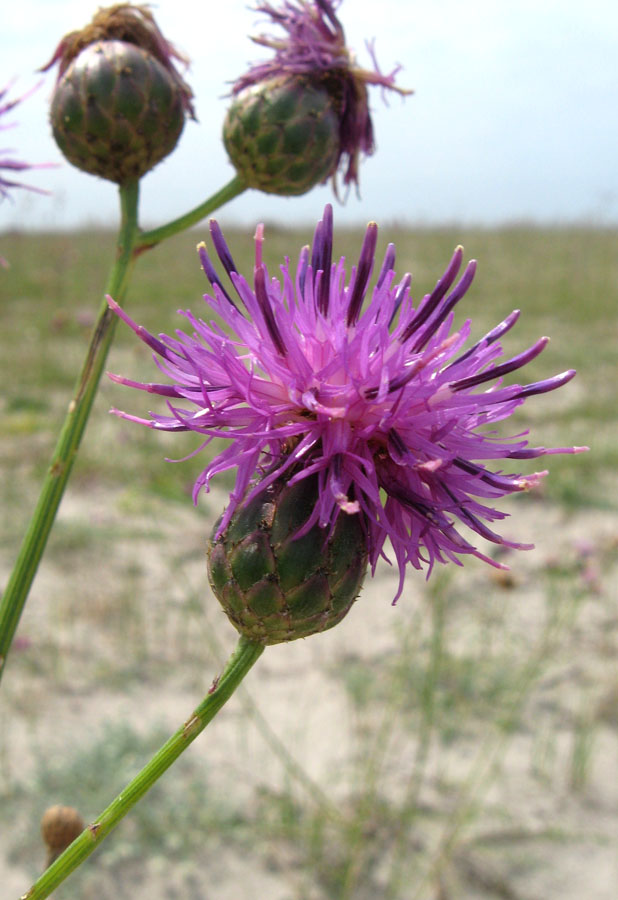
x: 275, y: 586
x: 282, y: 136
x: 116, y: 112
x: 119, y: 104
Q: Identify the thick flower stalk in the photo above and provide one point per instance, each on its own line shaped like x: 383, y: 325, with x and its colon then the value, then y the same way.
x: 301, y: 116
x: 373, y: 396
x: 119, y: 105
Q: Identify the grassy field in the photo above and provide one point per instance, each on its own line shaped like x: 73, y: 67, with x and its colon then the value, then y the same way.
x: 461, y: 745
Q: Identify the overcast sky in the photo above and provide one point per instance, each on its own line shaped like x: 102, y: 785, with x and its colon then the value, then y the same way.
x: 514, y: 116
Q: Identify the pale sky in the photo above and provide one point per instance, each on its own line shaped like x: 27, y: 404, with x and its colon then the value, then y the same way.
x: 514, y: 116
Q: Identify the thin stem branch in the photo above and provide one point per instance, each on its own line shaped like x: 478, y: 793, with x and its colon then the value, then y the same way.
x: 149, y: 239
x: 244, y: 656
x: 35, y: 539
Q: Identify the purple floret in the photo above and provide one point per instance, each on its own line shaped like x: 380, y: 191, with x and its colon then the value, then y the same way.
x: 316, y: 374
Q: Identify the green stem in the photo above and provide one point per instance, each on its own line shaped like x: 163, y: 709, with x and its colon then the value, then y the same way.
x: 130, y: 244
x: 35, y: 539
x: 232, y: 189
x: 245, y: 655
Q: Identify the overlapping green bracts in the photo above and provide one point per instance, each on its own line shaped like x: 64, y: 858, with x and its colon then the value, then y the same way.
x: 275, y: 585
x: 116, y: 111
x: 282, y: 136
x: 312, y: 55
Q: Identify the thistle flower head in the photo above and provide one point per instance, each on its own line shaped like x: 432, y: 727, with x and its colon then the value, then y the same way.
x: 313, y: 52
x: 119, y: 104
x: 7, y: 162
x: 131, y: 24
x: 373, y: 396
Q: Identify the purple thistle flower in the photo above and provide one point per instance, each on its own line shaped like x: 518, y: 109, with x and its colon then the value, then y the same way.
x: 379, y: 400
x: 314, y: 46
x: 9, y: 163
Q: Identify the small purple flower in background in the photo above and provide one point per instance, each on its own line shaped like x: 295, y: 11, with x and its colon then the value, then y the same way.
x: 310, y: 58
x: 8, y: 163
x: 380, y: 401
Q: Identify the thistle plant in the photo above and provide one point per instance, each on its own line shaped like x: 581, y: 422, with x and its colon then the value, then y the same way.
x: 118, y: 108
x: 355, y: 416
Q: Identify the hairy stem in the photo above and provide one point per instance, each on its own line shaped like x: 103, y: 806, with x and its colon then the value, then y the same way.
x: 245, y: 655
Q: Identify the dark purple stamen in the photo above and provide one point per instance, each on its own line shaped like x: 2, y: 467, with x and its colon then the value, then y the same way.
x: 498, y: 371
x: 363, y: 273
x: 164, y: 390
x: 145, y: 336
x: 431, y: 301
x: 459, y: 507
x: 414, y: 502
x: 397, y: 447
x: 501, y: 482
x: 211, y: 273
x: 489, y: 338
x: 527, y: 453
x: 399, y: 295
x: 534, y: 452
x: 396, y: 384
x: 221, y: 247
x: 387, y: 266
x: 262, y: 297
x: 321, y: 259
x: 451, y: 301
x: 326, y: 260
x: 543, y: 387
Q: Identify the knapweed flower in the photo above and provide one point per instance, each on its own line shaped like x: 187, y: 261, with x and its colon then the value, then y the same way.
x: 371, y: 404
x: 119, y: 104
x: 7, y: 162
x: 303, y: 114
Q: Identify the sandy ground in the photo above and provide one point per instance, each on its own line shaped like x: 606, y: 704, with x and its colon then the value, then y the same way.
x: 538, y: 832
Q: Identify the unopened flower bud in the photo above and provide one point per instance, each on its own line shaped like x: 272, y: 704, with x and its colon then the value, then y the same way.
x: 119, y: 105
x: 276, y: 579
x: 60, y: 826
x: 282, y: 135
